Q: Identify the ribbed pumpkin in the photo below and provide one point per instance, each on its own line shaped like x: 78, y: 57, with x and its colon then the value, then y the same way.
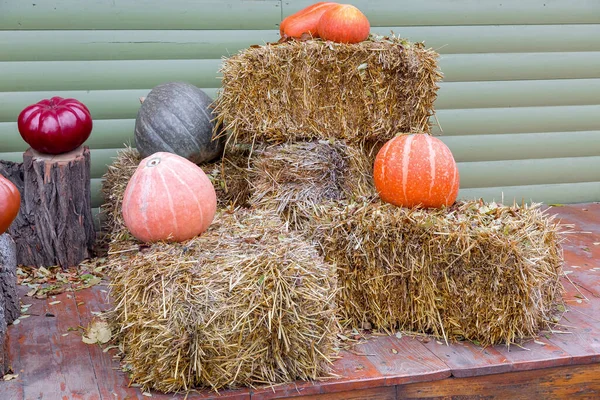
x: 304, y: 21
x: 343, y: 23
x: 168, y: 198
x: 416, y: 170
x: 176, y: 117
x: 10, y: 203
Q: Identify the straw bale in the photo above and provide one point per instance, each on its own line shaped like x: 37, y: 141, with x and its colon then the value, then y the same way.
x: 477, y: 271
x: 302, y: 90
x: 291, y: 178
x: 246, y: 303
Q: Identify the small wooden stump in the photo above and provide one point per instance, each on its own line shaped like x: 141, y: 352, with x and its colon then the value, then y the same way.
x: 9, y: 298
x: 54, y: 225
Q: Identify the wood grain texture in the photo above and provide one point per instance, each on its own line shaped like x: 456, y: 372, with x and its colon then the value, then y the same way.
x: 580, y: 382
x: 403, y: 360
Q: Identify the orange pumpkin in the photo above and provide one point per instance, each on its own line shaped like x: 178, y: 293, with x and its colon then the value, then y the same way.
x: 10, y: 203
x: 343, y: 24
x: 168, y: 198
x: 304, y: 21
x: 416, y: 170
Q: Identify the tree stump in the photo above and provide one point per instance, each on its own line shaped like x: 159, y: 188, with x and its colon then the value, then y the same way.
x: 9, y: 298
x: 55, y: 224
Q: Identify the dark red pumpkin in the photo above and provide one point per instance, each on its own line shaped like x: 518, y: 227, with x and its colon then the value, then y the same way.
x: 343, y: 24
x: 10, y: 203
x: 56, y: 125
x: 416, y: 170
x: 168, y: 198
x: 304, y: 21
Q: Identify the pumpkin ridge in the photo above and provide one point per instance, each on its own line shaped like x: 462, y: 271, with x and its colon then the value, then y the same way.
x: 141, y: 196
x: 432, y: 160
x: 187, y: 186
x: 169, y: 199
x: 149, y: 126
x: 202, y: 109
x: 406, y: 162
x: 185, y: 127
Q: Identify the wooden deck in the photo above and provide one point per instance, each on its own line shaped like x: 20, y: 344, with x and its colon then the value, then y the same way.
x: 53, y: 363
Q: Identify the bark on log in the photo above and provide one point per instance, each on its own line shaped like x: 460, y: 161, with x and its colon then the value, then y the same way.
x: 9, y: 298
x: 54, y: 225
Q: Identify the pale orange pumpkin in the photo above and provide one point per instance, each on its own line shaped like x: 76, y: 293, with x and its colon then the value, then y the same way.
x: 343, y: 23
x: 304, y: 21
x: 168, y: 198
x: 10, y: 203
x: 416, y: 170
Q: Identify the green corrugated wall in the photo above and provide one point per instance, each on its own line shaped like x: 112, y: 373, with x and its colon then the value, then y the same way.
x: 519, y: 105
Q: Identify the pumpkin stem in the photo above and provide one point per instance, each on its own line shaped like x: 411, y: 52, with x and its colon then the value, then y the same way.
x: 153, y: 162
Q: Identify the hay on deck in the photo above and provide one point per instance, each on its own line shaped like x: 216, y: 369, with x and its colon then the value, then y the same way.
x: 303, y: 90
x: 245, y: 303
x: 476, y: 271
x: 291, y: 178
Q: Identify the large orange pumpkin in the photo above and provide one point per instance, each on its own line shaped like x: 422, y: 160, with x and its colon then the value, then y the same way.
x: 168, y: 198
x: 416, y: 170
x: 10, y: 203
x: 343, y: 24
x: 304, y: 21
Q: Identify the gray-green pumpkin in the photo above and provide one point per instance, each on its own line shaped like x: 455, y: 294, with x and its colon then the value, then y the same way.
x: 176, y: 117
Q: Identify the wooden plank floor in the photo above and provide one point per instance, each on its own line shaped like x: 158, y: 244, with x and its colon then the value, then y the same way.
x: 53, y: 363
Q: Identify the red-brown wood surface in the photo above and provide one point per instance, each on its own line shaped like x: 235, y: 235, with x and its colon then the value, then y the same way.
x: 53, y: 363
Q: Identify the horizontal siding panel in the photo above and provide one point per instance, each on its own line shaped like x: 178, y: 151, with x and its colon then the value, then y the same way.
x: 117, y: 104
x: 483, y: 121
x: 523, y: 146
x: 207, y: 44
x: 96, y: 191
x: 128, y: 45
x: 494, y: 94
x: 103, y: 104
x: 584, y: 192
x: 142, y: 74
x: 529, y: 172
x: 517, y: 66
x: 469, y: 12
x: 134, y: 14
x: 105, y: 75
x: 500, y: 38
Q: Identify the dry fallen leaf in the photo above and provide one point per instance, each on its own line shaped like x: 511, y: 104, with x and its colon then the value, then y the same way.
x: 394, y: 351
x: 52, y: 303
x: 97, y: 332
x: 10, y: 377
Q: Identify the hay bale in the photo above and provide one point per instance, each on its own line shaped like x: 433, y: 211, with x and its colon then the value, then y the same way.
x: 291, y: 178
x: 245, y: 303
x: 302, y: 90
x: 228, y: 175
x: 475, y: 271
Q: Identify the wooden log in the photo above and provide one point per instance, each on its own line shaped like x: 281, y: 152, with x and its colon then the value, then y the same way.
x: 55, y: 224
x: 9, y: 298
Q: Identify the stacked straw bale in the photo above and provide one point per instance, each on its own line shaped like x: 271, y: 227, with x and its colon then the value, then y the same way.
x: 303, y: 90
x: 246, y: 303
x: 475, y: 271
x: 291, y: 178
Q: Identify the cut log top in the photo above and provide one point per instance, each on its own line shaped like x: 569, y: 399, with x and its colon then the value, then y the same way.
x: 63, y: 158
